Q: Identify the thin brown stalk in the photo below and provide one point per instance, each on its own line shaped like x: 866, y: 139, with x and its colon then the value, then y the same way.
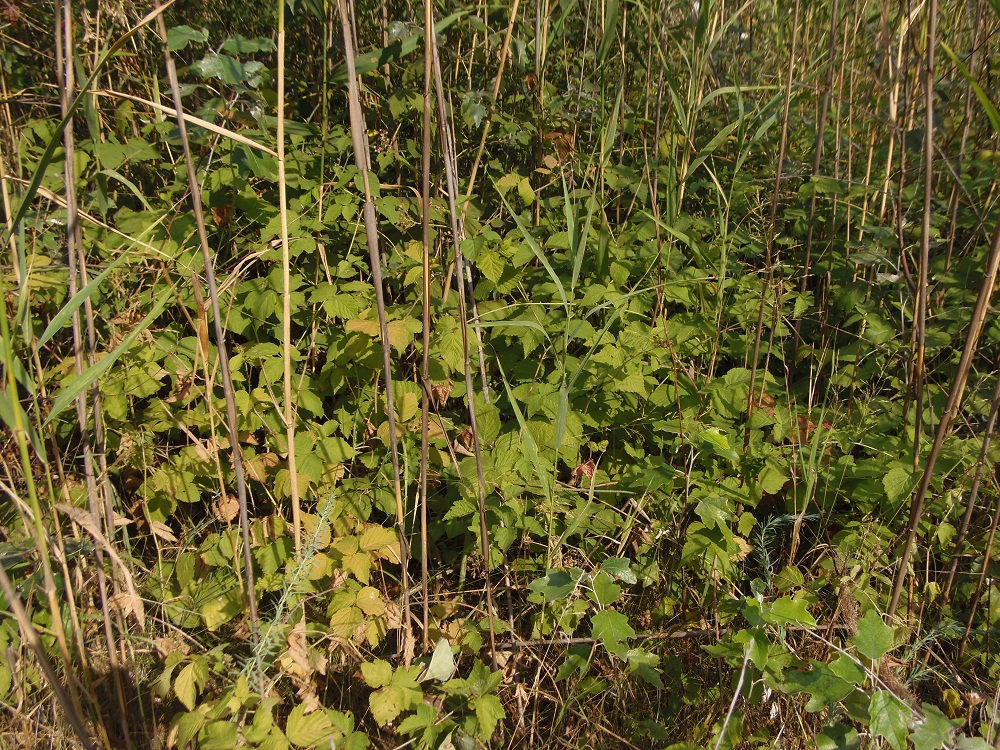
x: 89, y: 439
x: 974, y: 604
x: 425, y: 401
x: 286, y: 297
x: 923, y: 292
x: 954, y: 401
x: 451, y: 173
x: 220, y: 334
x: 970, y: 505
x: 363, y: 161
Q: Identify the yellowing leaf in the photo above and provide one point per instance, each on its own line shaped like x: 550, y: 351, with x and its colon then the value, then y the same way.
x: 185, y: 687
x: 307, y: 730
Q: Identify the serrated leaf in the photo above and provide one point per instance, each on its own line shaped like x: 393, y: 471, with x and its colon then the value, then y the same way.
x: 219, y: 735
x: 874, y: 637
x: 898, y: 483
x: 490, y: 264
x: 489, y: 710
x: 377, y: 673
x: 307, y: 729
x: 186, y: 688
x: 188, y: 725
x: 889, y: 719
x: 611, y: 628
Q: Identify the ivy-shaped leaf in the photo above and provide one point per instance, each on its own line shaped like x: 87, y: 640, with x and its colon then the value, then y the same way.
x: 874, y: 637
x: 935, y: 731
x: 889, y: 719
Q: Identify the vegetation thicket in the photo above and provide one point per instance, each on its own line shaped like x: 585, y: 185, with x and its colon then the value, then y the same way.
x: 545, y: 373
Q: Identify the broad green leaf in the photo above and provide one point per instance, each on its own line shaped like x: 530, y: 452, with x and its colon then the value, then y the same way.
x: 874, y: 637
x: 935, y: 731
x: 714, y: 441
x: 620, y: 569
x: 442, y: 664
x: 605, y: 591
x: 825, y: 688
x: 218, y: 735
x: 838, y: 737
x: 889, y: 719
x: 186, y: 688
x: 180, y: 36
x: 788, y: 611
x: 239, y: 45
x: 611, y: 628
x: 188, y: 725
x: 307, y: 729
x: 555, y: 584
x: 377, y: 673
x: 489, y: 710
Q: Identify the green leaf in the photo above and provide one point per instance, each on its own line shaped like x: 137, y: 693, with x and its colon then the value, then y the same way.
x: 62, y: 317
x: 239, y: 45
x: 178, y: 38
x: 788, y: 611
x: 188, y: 725
x: 442, y: 664
x: 935, y: 731
x: 874, y: 637
x: 489, y: 710
x: 555, y: 584
x: 714, y: 441
x: 849, y: 669
x: 838, y: 737
x: 889, y: 719
x: 825, y: 688
x: 620, y: 569
x: 87, y: 378
x: 186, y: 688
x: 611, y: 628
x: 229, y: 70
x: 605, y: 591
x: 898, y: 483
x: 307, y: 730
x: 377, y: 673
x: 219, y: 735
